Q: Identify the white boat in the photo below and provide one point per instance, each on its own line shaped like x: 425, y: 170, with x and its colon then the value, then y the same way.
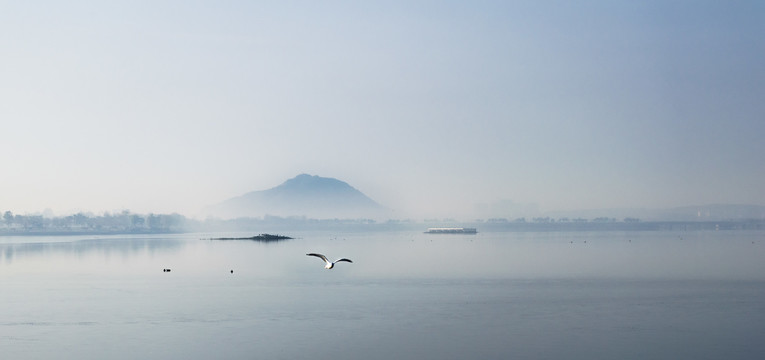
x: 451, y: 231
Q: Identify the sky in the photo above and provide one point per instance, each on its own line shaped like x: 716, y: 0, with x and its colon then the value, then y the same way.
x: 431, y: 108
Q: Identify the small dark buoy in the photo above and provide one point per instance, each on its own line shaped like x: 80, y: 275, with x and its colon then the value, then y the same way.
x: 232, y: 271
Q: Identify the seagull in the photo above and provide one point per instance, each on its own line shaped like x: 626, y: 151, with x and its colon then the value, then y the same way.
x: 330, y: 264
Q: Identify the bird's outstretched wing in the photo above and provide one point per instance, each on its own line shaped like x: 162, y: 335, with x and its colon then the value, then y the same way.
x: 319, y: 256
x: 343, y: 259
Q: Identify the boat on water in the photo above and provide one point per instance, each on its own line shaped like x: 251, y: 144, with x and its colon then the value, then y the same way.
x: 451, y: 231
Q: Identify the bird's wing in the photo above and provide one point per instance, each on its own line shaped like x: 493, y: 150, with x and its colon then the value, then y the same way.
x: 320, y: 256
x: 339, y: 260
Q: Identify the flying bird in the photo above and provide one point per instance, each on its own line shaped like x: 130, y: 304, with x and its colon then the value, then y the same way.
x: 329, y: 264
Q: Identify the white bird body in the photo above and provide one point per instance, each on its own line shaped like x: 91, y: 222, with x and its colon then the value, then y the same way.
x: 329, y: 264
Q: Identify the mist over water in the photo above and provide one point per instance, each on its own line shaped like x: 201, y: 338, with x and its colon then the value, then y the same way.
x: 649, y: 111
x: 549, y: 295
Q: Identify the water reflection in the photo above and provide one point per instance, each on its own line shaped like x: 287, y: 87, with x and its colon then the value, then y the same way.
x: 405, y: 255
x: 406, y: 295
x: 41, y: 247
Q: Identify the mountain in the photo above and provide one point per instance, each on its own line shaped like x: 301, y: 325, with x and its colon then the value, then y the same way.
x: 304, y: 195
x: 709, y: 212
x: 716, y: 212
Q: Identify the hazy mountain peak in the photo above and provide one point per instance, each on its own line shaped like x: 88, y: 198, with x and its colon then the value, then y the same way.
x: 314, y: 183
x: 304, y: 195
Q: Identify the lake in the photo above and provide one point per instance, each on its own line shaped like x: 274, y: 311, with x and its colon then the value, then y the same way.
x: 407, y: 295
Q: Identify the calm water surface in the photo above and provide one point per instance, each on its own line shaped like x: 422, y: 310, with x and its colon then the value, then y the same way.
x: 578, y: 295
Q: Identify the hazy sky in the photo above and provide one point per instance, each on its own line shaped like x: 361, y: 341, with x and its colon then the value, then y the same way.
x: 428, y: 107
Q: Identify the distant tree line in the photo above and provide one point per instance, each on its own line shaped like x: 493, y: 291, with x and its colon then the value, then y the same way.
x: 549, y: 220
x: 127, y: 222
x: 123, y: 222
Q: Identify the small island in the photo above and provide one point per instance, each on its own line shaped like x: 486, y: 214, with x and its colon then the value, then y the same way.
x: 261, y: 237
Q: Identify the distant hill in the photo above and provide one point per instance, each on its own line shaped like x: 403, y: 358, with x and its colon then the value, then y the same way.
x: 304, y: 195
x: 709, y: 212
x: 715, y: 212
